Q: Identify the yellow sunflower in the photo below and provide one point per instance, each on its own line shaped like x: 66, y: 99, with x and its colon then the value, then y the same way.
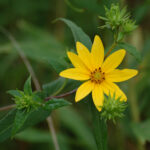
x: 99, y: 74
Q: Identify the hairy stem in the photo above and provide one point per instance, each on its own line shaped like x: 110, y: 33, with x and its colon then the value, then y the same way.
x: 35, y: 81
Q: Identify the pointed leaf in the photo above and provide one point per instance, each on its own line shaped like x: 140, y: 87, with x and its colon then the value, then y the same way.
x: 56, y: 103
x: 52, y: 87
x: 131, y: 50
x: 142, y: 130
x: 20, y: 118
x: 27, y: 86
x: 14, y: 93
x: 78, y: 33
x: 6, y: 124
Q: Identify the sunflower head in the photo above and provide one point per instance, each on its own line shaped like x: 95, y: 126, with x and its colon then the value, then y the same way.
x: 99, y: 74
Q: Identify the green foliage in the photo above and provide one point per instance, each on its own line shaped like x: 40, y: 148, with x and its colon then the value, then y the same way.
x: 38, y: 136
x: 78, y: 33
x: 55, y: 103
x: 34, y: 136
x: 7, y: 122
x: 54, y: 86
x: 77, y: 126
x: 47, y: 49
x: 27, y: 87
x: 142, y: 130
x: 29, y: 104
x: 19, y: 121
x: 113, y: 108
x: 131, y: 50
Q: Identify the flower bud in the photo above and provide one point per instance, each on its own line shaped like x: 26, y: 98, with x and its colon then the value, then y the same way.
x: 129, y: 26
x: 113, y: 108
x: 25, y: 101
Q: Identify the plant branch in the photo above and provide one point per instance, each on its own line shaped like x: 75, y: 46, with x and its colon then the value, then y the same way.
x: 62, y: 95
x: 35, y: 80
x: 8, y: 107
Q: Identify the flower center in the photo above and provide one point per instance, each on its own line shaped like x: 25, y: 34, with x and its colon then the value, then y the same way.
x: 97, y: 76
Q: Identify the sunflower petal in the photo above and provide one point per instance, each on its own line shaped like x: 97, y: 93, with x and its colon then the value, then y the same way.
x: 113, y: 61
x: 97, y: 52
x: 83, y: 90
x: 76, y: 61
x: 75, y: 73
x: 121, y: 75
x: 111, y: 88
x: 84, y: 54
x: 98, y: 96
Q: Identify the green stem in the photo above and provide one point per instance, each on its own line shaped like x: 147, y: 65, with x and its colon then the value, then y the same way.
x: 99, y: 127
x: 112, y: 47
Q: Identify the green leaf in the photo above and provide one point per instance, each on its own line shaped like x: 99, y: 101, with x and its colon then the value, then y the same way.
x: 16, y: 121
x: 142, y: 130
x: 37, y: 136
x: 14, y: 93
x: 20, y: 118
x: 78, y: 33
x: 27, y: 86
x: 131, y: 50
x: 56, y: 103
x: 34, y: 136
x: 6, y: 124
x: 52, y: 87
x: 39, y: 45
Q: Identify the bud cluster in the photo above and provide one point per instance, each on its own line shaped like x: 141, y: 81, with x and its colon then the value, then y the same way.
x: 25, y: 101
x: 118, y: 20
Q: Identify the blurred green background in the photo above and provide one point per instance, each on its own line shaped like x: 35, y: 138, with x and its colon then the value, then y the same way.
x: 30, y: 22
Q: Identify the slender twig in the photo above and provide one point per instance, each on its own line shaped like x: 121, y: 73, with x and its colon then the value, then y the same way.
x: 52, y: 131
x: 8, y: 107
x: 112, y: 47
x: 35, y: 80
x: 23, y: 57
x: 62, y: 95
